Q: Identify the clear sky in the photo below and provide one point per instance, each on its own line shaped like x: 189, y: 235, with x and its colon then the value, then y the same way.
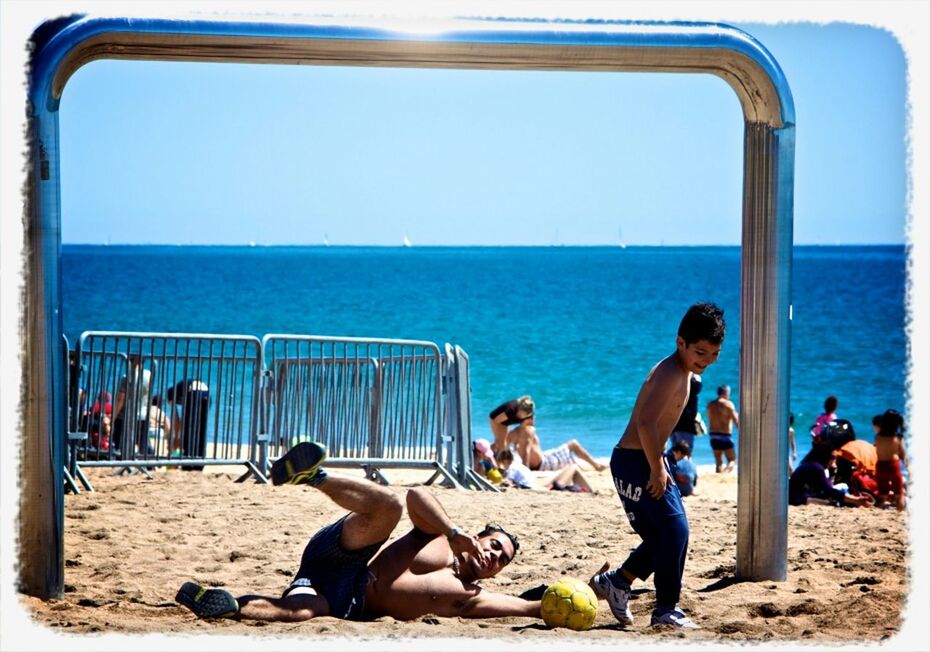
x: 157, y: 152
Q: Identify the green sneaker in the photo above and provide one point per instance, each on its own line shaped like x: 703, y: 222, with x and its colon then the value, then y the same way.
x: 299, y: 465
x: 207, y: 603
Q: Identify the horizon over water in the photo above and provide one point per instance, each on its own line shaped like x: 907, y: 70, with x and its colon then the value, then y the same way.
x: 576, y: 327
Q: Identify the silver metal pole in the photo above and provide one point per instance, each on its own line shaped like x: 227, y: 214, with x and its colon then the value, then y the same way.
x: 42, y: 458
x: 765, y: 325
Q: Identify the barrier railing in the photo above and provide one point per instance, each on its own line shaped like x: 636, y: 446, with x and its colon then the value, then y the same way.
x: 460, y: 398
x: 147, y: 399
x: 140, y: 400
x: 374, y: 403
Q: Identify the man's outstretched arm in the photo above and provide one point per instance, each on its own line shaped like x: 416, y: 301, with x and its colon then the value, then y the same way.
x: 428, y: 515
x: 485, y: 604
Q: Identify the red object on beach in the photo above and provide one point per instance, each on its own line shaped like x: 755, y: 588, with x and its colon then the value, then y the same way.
x: 107, y: 405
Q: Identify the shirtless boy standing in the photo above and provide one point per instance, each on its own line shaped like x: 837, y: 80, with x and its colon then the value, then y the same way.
x: 889, y: 447
x: 650, y: 498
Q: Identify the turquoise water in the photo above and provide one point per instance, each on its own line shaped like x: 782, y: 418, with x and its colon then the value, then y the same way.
x: 576, y: 327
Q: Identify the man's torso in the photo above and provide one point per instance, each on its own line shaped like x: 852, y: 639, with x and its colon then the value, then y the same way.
x: 411, y: 579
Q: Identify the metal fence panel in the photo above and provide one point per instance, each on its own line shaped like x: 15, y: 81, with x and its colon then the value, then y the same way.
x: 157, y: 398
x: 372, y: 402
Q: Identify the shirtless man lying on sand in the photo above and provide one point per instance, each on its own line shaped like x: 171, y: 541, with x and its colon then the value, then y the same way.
x: 432, y: 569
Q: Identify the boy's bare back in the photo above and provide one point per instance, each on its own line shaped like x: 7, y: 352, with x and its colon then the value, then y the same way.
x: 888, y: 447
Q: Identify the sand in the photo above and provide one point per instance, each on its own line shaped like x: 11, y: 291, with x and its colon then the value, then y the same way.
x: 133, y: 542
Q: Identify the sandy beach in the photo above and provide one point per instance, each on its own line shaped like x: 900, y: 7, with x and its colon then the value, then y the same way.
x: 134, y: 541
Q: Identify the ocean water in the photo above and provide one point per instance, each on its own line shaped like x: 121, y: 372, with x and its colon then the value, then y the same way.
x: 578, y: 328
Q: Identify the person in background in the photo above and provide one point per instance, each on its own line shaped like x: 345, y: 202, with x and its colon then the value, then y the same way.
x: 829, y: 414
x: 192, y: 398
x: 855, y: 466
x: 683, y: 469
x: 510, y: 413
x: 131, y: 411
x: 526, y: 441
x: 163, y: 428
x: 99, y: 421
x: 889, y: 447
x: 810, y: 482
x: 690, y: 423
x: 722, y: 415
x: 482, y: 457
x: 792, y: 444
x: 518, y: 474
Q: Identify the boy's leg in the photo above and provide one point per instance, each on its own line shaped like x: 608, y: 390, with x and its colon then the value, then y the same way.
x: 630, y: 473
x: 671, y: 547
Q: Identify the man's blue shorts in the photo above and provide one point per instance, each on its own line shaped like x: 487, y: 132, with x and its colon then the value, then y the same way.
x: 339, y: 575
x: 721, y: 441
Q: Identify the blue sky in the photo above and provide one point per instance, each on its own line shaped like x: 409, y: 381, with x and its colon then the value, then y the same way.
x: 184, y: 153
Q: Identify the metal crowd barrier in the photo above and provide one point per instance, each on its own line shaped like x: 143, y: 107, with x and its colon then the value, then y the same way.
x: 158, y: 399
x: 459, y: 411
x: 141, y: 400
x: 374, y: 403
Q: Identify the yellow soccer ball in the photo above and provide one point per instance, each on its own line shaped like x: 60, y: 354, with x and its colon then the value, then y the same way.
x: 569, y: 603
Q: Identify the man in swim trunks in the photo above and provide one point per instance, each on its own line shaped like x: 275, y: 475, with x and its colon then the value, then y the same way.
x: 347, y: 572
x: 722, y: 416
x: 526, y: 440
x: 650, y: 498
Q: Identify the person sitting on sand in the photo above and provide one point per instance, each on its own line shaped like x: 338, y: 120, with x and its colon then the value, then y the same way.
x: 518, y: 474
x: 683, y: 470
x: 526, y: 441
x: 855, y: 466
x: 889, y: 448
x: 722, y: 416
x: 482, y: 457
x: 509, y: 413
x: 347, y: 572
x: 810, y: 482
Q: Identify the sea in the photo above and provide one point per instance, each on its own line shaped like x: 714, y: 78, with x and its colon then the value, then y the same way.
x: 577, y: 328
